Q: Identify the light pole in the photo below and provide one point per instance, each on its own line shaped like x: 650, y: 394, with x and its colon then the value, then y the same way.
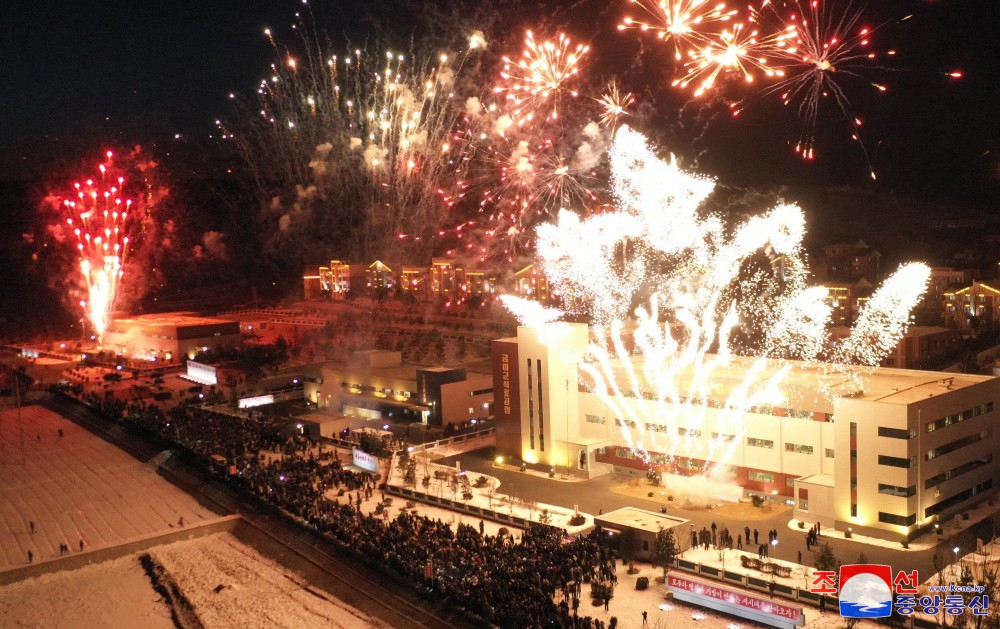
x: 774, y: 548
x: 955, y: 565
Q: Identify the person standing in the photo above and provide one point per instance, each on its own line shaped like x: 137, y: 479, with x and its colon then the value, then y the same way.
x: 31, y: 526
x: 645, y: 618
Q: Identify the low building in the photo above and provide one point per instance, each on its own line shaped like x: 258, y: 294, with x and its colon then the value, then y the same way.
x: 169, y: 336
x: 645, y: 525
x: 376, y: 384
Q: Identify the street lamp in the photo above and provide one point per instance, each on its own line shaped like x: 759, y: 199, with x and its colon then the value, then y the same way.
x: 774, y: 548
x: 955, y: 565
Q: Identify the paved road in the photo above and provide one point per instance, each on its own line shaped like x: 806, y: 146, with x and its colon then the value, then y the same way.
x: 595, y: 495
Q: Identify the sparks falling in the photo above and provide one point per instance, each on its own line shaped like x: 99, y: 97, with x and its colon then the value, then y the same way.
x: 691, y: 312
x: 99, y: 218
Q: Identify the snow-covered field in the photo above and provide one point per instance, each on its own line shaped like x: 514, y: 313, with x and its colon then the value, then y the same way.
x: 115, y: 593
x: 76, y: 487
x: 255, y: 592
x: 230, y: 584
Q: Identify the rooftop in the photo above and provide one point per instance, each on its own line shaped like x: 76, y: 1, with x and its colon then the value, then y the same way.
x: 631, y: 517
x: 174, y: 319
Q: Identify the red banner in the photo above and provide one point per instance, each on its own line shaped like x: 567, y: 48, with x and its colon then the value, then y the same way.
x: 734, y: 597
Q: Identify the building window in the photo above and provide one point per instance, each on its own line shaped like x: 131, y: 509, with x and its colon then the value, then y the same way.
x: 594, y: 419
x: 895, y: 490
x: 798, y: 448
x: 895, y: 461
x: 724, y: 438
x: 760, y: 443
x: 689, y: 432
x: 958, y: 471
x: 955, y: 445
x: 854, y: 509
x: 763, y: 477
x: 828, y: 452
x: 896, y: 433
x: 899, y: 520
x: 957, y: 498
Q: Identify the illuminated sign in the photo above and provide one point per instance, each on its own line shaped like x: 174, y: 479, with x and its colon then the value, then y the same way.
x: 364, y: 460
x: 259, y: 400
x: 505, y: 367
x: 204, y: 374
x: 734, y: 602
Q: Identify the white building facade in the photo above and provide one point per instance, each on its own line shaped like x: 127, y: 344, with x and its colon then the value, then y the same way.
x: 899, y: 452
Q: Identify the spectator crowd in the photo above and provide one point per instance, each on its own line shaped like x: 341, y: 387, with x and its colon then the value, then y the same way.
x: 499, y: 579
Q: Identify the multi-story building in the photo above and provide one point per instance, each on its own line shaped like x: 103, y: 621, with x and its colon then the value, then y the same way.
x: 972, y: 308
x: 846, y: 299
x: 843, y: 262
x: 900, y: 452
x: 379, y: 277
x: 444, y: 278
x: 339, y: 278
x: 944, y: 280
x: 413, y: 282
x: 531, y: 283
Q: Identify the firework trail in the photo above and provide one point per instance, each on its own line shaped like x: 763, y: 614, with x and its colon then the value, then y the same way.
x: 100, y: 220
x: 330, y: 133
x: 672, y: 292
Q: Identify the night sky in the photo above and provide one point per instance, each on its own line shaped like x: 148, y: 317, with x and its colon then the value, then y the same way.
x: 81, y: 74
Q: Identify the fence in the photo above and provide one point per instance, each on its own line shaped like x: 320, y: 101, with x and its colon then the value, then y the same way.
x: 760, y: 584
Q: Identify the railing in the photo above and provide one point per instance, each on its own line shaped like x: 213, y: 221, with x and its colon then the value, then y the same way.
x: 440, y: 443
x: 751, y: 582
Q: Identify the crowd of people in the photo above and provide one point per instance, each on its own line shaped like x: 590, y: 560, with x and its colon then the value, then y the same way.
x: 501, y: 579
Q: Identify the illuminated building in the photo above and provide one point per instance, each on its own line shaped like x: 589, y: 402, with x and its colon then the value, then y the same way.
x: 842, y: 262
x: 379, y: 277
x: 530, y: 283
x: 376, y: 384
x: 973, y: 308
x: 413, y: 282
x: 909, y: 449
x: 169, y: 336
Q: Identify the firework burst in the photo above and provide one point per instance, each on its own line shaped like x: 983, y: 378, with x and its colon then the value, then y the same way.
x: 100, y: 219
x: 685, y: 23
x: 828, y: 46
x: 741, y: 51
x: 539, y: 77
x: 614, y: 106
